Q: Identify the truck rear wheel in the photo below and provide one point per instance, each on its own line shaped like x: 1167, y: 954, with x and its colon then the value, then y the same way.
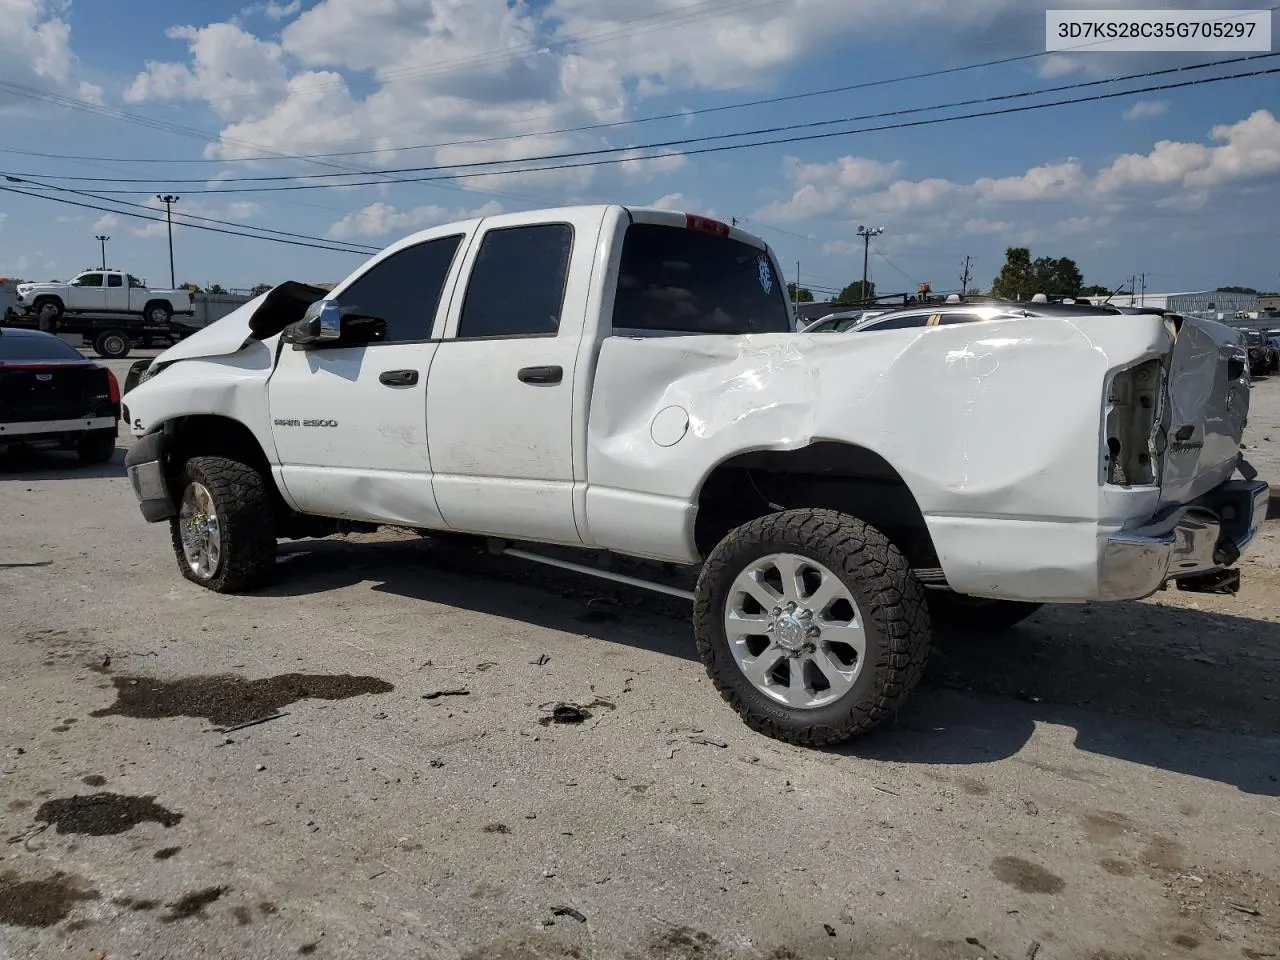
x: 810, y: 625
x: 977, y: 614
x: 224, y: 534
x: 159, y: 313
x: 112, y: 344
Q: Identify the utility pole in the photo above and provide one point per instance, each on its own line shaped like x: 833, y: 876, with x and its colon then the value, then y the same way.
x: 797, y: 294
x: 169, y: 200
x: 964, y: 277
x: 103, y: 241
x: 866, y: 233
x: 1144, y: 291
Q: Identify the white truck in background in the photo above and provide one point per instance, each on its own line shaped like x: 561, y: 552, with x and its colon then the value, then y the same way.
x: 626, y: 381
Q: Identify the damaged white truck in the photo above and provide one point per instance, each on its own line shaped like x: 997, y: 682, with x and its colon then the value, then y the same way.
x: 627, y: 382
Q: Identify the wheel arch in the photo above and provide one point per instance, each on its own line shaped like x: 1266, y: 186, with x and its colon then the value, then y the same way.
x: 828, y: 474
x: 157, y: 302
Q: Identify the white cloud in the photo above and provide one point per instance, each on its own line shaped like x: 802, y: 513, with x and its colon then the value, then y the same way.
x: 90, y: 92
x: 827, y: 187
x: 1039, y: 183
x: 670, y: 201
x: 1059, y: 65
x: 1146, y: 108
x: 108, y: 221
x: 281, y: 11
x: 380, y: 219
x: 980, y: 225
x: 1249, y: 148
x: 906, y: 196
x: 35, y: 42
x: 234, y: 71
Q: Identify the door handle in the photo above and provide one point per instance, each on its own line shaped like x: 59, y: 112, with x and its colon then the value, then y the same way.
x: 398, y: 378
x: 541, y: 374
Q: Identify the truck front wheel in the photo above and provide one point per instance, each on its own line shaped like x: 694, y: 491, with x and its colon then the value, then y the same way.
x: 224, y: 535
x: 112, y: 344
x: 810, y: 625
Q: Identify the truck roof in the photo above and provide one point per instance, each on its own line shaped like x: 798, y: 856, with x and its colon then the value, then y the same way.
x: 671, y: 218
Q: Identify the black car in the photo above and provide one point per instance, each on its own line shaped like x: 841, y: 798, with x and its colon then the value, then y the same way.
x: 1262, y: 352
x: 51, y: 396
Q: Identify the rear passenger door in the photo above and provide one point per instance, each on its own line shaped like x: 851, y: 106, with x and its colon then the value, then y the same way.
x: 500, y: 404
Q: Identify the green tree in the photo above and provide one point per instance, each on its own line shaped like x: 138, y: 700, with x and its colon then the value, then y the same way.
x: 1236, y: 290
x: 1016, y: 279
x: 855, y: 292
x: 1060, y: 277
x: 259, y: 289
x: 805, y: 295
x: 1094, y: 290
x: 215, y: 288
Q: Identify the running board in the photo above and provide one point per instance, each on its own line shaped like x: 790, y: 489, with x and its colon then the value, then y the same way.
x: 653, y: 585
x: 931, y: 577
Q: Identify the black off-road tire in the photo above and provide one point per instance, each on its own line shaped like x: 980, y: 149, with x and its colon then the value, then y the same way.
x: 157, y: 311
x: 891, y: 601
x: 243, y: 499
x: 112, y: 344
x: 959, y: 612
x: 97, y: 447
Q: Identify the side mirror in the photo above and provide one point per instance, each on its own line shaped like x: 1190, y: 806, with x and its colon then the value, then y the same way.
x: 322, y: 323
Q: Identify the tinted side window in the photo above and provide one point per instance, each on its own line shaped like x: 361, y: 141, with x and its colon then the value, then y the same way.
x: 397, y: 299
x: 88, y: 280
x: 517, y: 282
x: 899, y: 323
x: 115, y: 280
x: 958, y: 318
x: 688, y: 281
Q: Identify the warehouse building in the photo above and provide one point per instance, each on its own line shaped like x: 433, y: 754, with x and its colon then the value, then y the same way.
x: 1213, y: 304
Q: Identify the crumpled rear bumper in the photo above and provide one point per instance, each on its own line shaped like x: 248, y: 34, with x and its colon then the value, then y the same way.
x: 1200, y: 537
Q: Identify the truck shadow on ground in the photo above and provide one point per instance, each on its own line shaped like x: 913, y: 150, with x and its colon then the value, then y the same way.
x: 57, y: 465
x: 1184, y: 690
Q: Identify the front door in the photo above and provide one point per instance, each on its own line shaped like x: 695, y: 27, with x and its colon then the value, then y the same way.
x: 88, y: 295
x: 500, y: 404
x: 349, y: 416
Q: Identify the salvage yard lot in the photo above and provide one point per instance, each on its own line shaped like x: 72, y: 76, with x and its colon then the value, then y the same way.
x: 1101, y: 782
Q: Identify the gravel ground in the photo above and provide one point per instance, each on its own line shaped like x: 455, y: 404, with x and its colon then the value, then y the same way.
x: 1100, y: 783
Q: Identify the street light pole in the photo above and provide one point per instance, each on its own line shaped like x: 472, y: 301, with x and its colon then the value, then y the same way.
x: 169, y: 200
x: 866, y: 233
x: 103, y: 241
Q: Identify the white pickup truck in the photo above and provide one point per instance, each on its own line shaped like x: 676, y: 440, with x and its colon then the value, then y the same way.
x: 626, y: 381
x: 105, y: 292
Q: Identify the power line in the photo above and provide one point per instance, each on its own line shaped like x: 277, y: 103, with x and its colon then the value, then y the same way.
x: 931, y: 121
x: 368, y: 248
x: 193, y: 226
x: 685, y: 141
x: 862, y: 85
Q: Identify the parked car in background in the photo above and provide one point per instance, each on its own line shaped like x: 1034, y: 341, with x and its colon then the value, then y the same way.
x: 107, y: 292
x: 840, y: 322
x: 52, y: 397
x: 1263, y: 353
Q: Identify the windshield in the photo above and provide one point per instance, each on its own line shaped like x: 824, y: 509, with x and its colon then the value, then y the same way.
x: 686, y: 281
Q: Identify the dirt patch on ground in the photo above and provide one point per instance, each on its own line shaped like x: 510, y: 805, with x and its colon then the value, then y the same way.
x: 1026, y: 876
x: 193, y: 904
x: 228, y: 700
x: 40, y: 903
x: 102, y: 814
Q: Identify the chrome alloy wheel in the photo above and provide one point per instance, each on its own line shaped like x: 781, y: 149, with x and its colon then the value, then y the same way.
x: 200, y: 530
x: 795, y: 631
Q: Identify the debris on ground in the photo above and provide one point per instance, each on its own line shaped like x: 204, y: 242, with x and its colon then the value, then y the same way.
x: 599, y: 610
x: 1032, y: 950
x: 496, y: 828
x: 830, y: 930
x: 1031, y: 808
x: 250, y: 723
x: 570, y: 713
x: 708, y: 741
x: 486, y: 665
x: 437, y: 763
x: 437, y: 694
x: 569, y: 912
x: 542, y: 661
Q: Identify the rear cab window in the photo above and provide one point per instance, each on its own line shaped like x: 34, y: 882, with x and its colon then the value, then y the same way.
x: 674, y: 280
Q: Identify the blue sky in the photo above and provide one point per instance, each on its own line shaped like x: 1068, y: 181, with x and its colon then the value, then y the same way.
x: 1181, y: 184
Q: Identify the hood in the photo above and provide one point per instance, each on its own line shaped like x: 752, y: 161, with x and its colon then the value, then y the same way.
x: 262, y: 317
x: 42, y: 285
